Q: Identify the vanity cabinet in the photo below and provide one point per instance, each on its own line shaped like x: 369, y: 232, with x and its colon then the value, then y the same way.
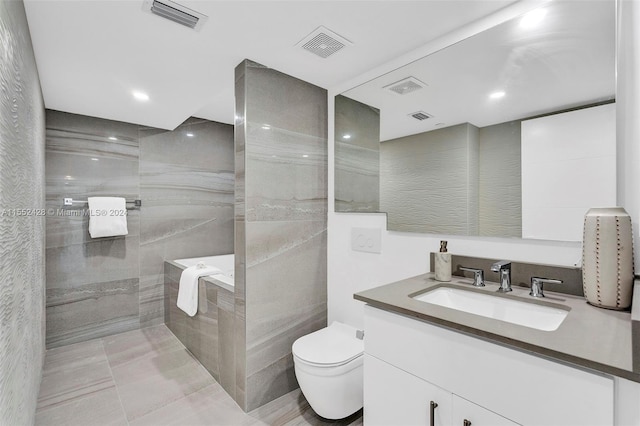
x: 466, y: 413
x: 395, y: 397
x: 410, y: 362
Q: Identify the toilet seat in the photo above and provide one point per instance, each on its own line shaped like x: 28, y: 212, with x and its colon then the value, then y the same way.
x: 332, y: 346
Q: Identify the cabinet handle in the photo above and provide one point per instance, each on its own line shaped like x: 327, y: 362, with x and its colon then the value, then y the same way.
x: 432, y: 413
x: 466, y: 423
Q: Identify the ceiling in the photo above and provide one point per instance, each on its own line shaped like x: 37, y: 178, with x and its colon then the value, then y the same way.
x: 564, y: 60
x: 91, y: 55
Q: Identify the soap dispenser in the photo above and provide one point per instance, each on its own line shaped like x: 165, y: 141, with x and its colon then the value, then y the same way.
x: 442, y: 261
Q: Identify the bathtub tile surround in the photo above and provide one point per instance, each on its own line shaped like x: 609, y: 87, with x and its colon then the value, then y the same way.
x: 98, y: 287
x: 209, y: 335
x: 281, y: 174
x: 22, y: 275
x: 186, y: 184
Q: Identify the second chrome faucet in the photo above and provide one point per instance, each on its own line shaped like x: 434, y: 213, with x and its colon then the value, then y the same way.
x: 503, y: 267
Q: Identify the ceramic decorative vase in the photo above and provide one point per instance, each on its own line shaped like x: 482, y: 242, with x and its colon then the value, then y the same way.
x: 607, y: 258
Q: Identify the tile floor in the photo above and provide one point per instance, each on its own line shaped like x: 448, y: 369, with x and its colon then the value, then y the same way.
x: 147, y: 377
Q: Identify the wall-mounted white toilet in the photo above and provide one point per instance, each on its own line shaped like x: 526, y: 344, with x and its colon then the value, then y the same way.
x: 328, y: 366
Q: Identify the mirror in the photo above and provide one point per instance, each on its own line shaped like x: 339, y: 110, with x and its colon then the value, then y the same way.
x: 509, y: 133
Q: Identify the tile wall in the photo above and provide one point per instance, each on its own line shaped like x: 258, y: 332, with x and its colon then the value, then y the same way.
x: 98, y: 287
x: 440, y: 166
x: 186, y: 184
x: 22, y: 279
x: 357, y: 156
x: 281, y: 226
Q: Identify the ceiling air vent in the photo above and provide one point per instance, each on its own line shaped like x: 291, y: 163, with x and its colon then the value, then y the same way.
x: 323, y: 42
x: 175, y: 12
x: 420, y: 115
x: 406, y: 85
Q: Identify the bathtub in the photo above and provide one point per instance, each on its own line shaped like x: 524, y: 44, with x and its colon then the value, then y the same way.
x: 223, y: 262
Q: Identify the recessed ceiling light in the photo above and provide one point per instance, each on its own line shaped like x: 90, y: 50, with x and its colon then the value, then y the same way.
x: 94, y: 159
x: 305, y: 155
x: 140, y: 96
x: 190, y: 134
x: 533, y: 18
x: 266, y: 127
x: 497, y: 95
x: 346, y: 136
x: 113, y: 138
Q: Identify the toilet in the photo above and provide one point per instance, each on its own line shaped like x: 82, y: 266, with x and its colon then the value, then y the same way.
x: 328, y: 366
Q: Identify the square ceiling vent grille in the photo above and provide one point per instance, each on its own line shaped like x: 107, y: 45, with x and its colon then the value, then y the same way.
x: 420, y: 115
x: 406, y: 85
x: 175, y: 12
x: 323, y: 42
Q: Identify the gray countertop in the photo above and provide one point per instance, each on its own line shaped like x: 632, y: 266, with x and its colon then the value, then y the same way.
x: 590, y: 337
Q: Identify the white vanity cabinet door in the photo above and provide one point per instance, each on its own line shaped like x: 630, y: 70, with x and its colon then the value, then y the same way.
x: 504, y: 380
x: 393, y: 397
x: 465, y: 411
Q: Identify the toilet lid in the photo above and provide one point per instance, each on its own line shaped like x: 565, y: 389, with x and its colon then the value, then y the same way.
x: 336, y: 344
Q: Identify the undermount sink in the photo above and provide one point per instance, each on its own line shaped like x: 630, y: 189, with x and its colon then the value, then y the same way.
x: 531, y: 315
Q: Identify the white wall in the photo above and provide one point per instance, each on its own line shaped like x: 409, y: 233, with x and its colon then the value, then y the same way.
x: 628, y: 111
x: 404, y: 255
x: 568, y: 167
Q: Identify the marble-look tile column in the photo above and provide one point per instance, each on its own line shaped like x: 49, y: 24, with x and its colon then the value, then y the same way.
x: 281, y: 210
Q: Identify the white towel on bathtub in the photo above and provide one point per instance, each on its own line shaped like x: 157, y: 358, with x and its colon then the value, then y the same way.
x: 188, y: 289
x: 107, y: 216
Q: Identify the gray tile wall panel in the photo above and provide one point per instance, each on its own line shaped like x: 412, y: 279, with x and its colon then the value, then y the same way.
x: 97, y: 287
x: 92, y: 284
x: 357, y: 168
x: 186, y: 183
x: 281, y: 145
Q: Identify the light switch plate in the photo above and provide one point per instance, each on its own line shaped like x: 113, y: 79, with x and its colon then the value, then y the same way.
x: 366, y: 239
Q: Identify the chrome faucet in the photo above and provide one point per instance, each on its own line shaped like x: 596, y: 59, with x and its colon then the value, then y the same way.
x: 536, y: 285
x: 478, y: 275
x: 504, y: 268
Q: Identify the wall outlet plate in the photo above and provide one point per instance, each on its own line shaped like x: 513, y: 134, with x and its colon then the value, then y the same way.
x: 366, y: 239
